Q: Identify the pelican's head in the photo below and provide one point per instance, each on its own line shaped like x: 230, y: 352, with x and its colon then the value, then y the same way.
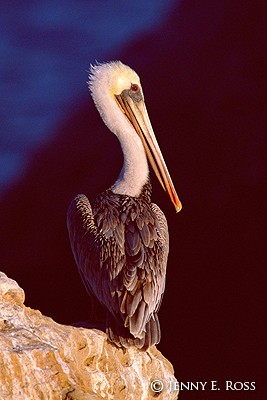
x: 106, y: 82
x: 114, y: 75
x: 118, y: 96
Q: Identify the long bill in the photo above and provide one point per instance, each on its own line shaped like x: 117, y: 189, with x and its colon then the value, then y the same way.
x: 137, y: 114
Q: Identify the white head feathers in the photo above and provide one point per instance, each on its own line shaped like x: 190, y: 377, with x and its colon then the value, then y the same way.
x: 105, y: 82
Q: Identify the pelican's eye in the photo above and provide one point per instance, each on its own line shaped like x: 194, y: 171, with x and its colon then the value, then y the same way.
x: 135, y: 88
x: 135, y: 93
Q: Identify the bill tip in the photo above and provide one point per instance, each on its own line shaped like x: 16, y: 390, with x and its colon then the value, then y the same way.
x: 178, y: 207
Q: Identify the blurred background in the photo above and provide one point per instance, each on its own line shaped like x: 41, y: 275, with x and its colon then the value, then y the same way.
x: 203, y: 70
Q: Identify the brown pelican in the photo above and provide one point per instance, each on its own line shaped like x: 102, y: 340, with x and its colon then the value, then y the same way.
x: 120, y: 242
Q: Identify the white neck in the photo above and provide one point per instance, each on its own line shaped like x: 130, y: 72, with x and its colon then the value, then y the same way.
x: 134, y: 173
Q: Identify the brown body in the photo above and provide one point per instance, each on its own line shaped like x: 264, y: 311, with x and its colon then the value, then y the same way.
x: 121, y: 245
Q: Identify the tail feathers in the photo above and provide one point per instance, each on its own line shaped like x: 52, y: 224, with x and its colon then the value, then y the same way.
x: 121, y: 337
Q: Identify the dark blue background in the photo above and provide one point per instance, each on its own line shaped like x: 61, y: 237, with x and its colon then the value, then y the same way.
x: 46, y: 48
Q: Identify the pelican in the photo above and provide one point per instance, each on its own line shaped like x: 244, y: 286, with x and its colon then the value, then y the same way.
x: 120, y: 242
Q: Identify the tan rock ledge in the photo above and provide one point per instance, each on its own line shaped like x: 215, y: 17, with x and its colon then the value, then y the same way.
x: 43, y: 360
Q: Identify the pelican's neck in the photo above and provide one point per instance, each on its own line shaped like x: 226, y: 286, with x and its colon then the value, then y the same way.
x: 134, y: 173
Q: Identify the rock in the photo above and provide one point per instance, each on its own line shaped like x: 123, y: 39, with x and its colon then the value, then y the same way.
x: 41, y: 359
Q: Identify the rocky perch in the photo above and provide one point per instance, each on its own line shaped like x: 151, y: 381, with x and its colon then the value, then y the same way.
x: 43, y: 360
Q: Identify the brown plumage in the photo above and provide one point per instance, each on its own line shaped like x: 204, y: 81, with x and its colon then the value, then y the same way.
x: 120, y: 245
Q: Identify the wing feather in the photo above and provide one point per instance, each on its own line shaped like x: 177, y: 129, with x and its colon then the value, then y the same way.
x: 121, y: 251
